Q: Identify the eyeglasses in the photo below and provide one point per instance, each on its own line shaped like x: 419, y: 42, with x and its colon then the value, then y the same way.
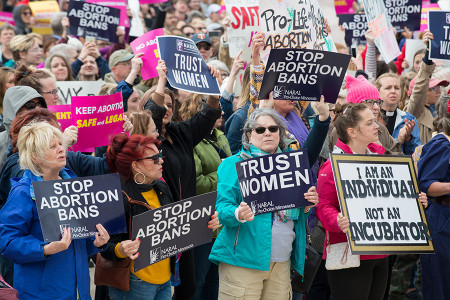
x: 124, y: 63
x: 27, y: 13
x: 53, y: 92
x: 155, y: 157
x: 435, y: 89
x: 372, y: 102
x: 225, y: 74
x: 31, y: 105
x: 204, y: 46
x: 189, y: 34
x: 261, y: 130
x: 36, y: 49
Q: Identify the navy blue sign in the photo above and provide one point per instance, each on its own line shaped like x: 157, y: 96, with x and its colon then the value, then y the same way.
x: 173, y: 228
x: 404, y: 13
x: 355, y: 28
x: 275, y: 182
x: 98, y: 21
x: 81, y: 204
x: 304, y: 75
x: 439, y: 25
x: 186, y: 69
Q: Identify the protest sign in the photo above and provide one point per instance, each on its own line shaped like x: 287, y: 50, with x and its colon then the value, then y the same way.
x: 379, y: 23
x: 355, y: 28
x: 404, y: 13
x: 304, y: 75
x: 119, y: 4
x: 438, y: 22
x: 148, y: 45
x: 186, y: 68
x: 67, y: 89
x: 173, y: 228
x: 6, y: 17
x: 97, y: 116
x: 275, y: 182
x: 344, y: 6
x: 412, y: 46
x: 293, y: 24
x: 379, y: 196
x: 424, y: 17
x: 43, y: 11
x: 244, y: 19
x: 80, y: 203
x: 136, y: 24
x: 98, y: 21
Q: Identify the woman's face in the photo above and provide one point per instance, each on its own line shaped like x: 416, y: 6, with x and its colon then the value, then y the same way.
x: 417, y: 60
x: 6, y: 36
x: 367, y: 129
x: 59, y: 69
x: 55, y: 158
x: 133, y: 101
x: 374, y: 107
x: 152, y: 131
x: 10, y: 82
x: 33, y: 56
x: 283, y: 107
x: 26, y: 15
x: 434, y: 94
x: 267, y: 141
x: 169, y: 106
x: 49, y: 91
x: 390, y: 90
x: 149, y: 167
x: 219, y: 121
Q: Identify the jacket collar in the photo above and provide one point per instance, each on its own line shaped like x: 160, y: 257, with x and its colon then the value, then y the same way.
x: 372, y: 148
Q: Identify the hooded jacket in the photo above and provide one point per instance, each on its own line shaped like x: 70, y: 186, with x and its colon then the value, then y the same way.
x: 15, y: 98
x: 20, y: 25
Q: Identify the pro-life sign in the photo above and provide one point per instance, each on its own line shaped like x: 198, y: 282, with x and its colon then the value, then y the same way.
x: 379, y: 196
x: 81, y: 204
x: 275, y: 182
x: 304, y: 75
x: 186, y: 69
x: 439, y: 25
x: 173, y: 228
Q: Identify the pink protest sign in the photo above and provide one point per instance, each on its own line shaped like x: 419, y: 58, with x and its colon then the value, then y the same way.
x: 120, y: 4
x: 147, y: 44
x: 6, y: 17
x: 151, y: 1
x: 424, y: 16
x: 97, y: 118
x: 344, y: 6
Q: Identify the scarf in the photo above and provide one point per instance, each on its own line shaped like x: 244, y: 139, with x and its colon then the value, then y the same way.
x: 297, y: 129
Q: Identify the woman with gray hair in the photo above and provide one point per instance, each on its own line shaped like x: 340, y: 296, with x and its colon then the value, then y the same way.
x: 56, y: 270
x: 254, y: 253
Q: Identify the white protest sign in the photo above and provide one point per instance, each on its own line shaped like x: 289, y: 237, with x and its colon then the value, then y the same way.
x: 67, y: 89
x: 379, y: 196
x: 293, y: 24
x: 379, y: 23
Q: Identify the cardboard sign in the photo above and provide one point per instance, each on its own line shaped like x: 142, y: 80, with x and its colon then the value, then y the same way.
x: 304, y: 75
x: 379, y: 196
x: 81, y: 204
x: 98, y: 21
x: 275, y: 182
x: 244, y: 18
x: 43, y: 11
x: 404, y: 13
x: 355, y: 28
x: 173, y: 228
x: 6, y: 17
x: 424, y: 16
x: 439, y: 24
x: 186, y: 68
x: 119, y: 4
x: 293, y: 24
x: 380, y: 25
x: 344, y: 6
x: 67, y: 89
x: 148, y: 45
x: 97, y: 116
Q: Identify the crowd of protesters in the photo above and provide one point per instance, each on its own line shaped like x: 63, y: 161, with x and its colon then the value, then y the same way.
x: 181, y: 144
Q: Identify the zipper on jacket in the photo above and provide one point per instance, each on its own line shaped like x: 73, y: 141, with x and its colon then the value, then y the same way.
x: 236, y: 239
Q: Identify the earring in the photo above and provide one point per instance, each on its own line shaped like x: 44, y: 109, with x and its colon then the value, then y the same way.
x: 143, y: 180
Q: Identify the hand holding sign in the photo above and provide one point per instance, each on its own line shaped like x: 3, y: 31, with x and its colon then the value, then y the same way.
x: 257, y: 44
x: 245, y: 213
x: 370, y: 37
x: 427, y: 37
x: 312, y: 196
x: 214, y: 223
x: 323, y: 109
x: 58, y: 246
x: 101, y: 237
x: 70, y: 136
x: 343, y: 223
x: 130, y: 248
x: 423, y: 199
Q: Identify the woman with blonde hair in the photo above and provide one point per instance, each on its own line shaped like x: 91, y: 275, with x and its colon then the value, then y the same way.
x: 143, y: 123
x: 26, y: 49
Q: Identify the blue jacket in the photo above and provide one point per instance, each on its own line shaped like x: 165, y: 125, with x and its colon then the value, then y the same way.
x: 56, y: 276
x: 408, y: 147
x: 233, y: 127
x: 248, y: 244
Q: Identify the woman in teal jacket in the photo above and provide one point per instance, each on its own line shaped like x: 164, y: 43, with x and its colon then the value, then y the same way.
x: 254, y: 253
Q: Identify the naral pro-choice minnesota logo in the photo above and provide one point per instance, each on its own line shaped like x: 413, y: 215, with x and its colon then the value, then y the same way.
x: 254, y: 206
x: 154, y: 255
x: 278, y: 91
x: 62, y: 227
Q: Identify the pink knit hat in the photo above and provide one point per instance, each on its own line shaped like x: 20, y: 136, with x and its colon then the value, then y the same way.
x: 359, y: 89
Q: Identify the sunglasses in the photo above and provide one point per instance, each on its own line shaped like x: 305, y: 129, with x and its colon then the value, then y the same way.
x: 31, y: 105
x: 204, y: 46
x: 261, y: 130
x: 155, y: 157
x: 27, y: 13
